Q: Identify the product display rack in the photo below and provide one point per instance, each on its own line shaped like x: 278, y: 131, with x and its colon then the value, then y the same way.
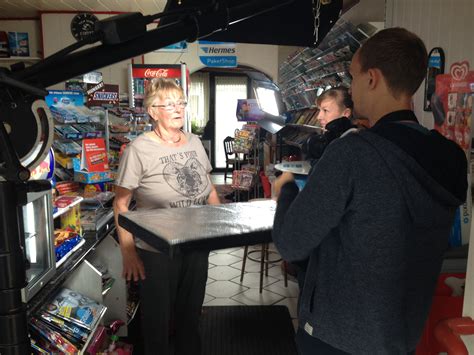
x: 310, y: 71
x: 249, y: 171
x: 69, y: 136
x: 78, y: 269
x: 79, y: 273
x: 66, y: 209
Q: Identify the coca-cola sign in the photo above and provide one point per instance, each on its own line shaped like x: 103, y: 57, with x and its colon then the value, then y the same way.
x: 156, y: 73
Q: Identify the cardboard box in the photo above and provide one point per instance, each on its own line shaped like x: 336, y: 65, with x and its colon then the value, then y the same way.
x: 93, y: 177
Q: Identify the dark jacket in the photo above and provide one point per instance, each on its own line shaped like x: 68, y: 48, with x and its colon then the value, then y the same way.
x: 315, y: 145
x: 375, y: 225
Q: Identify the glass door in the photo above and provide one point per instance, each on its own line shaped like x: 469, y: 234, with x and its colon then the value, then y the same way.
x: 228, y: 90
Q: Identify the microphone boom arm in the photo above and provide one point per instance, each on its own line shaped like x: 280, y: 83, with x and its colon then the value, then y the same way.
x: 194, y: 26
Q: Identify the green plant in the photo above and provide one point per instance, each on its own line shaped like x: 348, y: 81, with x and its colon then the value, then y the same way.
x: 196, y: 129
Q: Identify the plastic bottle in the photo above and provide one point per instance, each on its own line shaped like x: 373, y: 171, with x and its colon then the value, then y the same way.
x: 114, y: 338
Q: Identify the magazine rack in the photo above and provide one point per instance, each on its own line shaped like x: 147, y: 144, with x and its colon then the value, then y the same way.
x: 310, y: 71
x: 244, y: 177
x: 87, y: 280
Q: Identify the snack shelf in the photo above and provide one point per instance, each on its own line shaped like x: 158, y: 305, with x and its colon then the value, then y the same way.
x: 17, y: 58
x: 70, y: 252
x: 63, y: 210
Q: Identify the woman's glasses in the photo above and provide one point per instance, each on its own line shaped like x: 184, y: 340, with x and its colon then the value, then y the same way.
x: 171, y: 106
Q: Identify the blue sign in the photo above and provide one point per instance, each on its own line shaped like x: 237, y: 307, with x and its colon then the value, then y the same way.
x: 218, y: 54
x: 435, y: 62
x: 179, y: 47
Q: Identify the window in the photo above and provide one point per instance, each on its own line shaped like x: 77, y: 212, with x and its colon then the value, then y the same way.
x: 198, y: 100
x: 228, y: 90
x: 267, y: 100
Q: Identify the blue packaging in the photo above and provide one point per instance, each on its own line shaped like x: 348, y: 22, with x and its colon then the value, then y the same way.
x: 300, y: 180
x: 19, y: 44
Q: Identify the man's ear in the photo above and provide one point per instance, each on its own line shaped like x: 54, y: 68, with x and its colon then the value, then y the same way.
x: 374, y: 77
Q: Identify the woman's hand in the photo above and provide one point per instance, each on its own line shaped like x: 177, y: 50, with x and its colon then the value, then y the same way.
x: 280, y: 181
x: 133, y: 268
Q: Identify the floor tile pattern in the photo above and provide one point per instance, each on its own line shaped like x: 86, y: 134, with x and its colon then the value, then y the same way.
x: 224, y: 287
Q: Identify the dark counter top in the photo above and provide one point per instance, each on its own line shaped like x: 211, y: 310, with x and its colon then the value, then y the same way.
x: 206, y: 227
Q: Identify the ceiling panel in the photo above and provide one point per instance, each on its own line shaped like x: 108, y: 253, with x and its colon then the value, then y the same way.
x: 104, y: 5
x: 31, y: 8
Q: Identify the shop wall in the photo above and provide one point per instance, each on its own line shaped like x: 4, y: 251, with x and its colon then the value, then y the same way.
x: 261, y: 57
x: 57, y: 35
x: 366, y: 11
x: 440, y: 23
x: 31, y: 26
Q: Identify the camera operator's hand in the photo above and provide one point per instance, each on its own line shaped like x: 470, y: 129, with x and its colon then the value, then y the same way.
x: 280, y: 181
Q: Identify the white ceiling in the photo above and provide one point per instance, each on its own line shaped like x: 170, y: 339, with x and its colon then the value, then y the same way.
x: 364, y: 11
x: 31, y: 8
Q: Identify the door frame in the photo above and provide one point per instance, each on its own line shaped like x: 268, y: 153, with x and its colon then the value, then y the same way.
x: 212, y: 108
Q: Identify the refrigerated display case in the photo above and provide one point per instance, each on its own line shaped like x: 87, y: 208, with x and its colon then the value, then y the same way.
x: 36, y: 224
x: 141, y: 74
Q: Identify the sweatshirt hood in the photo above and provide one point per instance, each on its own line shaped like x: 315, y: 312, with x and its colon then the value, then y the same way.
x: 420, y: 189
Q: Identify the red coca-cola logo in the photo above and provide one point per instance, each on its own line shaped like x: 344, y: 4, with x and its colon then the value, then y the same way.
x: 156, y: 73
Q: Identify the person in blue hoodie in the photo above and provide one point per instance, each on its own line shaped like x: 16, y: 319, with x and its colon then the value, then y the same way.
x: 375, y: 215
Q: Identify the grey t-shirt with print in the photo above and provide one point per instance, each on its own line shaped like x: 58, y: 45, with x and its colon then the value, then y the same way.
x: 165, y: 177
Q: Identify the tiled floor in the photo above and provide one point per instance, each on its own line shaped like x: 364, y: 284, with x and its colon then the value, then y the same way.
x: 223, y: 283
x: 224, y: 287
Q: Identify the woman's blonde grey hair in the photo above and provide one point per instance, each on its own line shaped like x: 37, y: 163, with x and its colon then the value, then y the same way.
x: 162, y: 88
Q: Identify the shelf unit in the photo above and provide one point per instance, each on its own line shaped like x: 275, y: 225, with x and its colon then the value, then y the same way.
x: 92, y: 335
x: 71, y: 252
x: 20, y: 59
x: 87, y: 280
x: 14, y: 61
x: 68, y: 208
x: 79, y: 273
x: 310, y: 71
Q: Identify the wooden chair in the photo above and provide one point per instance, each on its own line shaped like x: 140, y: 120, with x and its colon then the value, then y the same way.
x: 264, y: 259
x: 230, y: 157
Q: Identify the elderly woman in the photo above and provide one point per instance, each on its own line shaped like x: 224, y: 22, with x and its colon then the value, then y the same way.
x: 165, y: 168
